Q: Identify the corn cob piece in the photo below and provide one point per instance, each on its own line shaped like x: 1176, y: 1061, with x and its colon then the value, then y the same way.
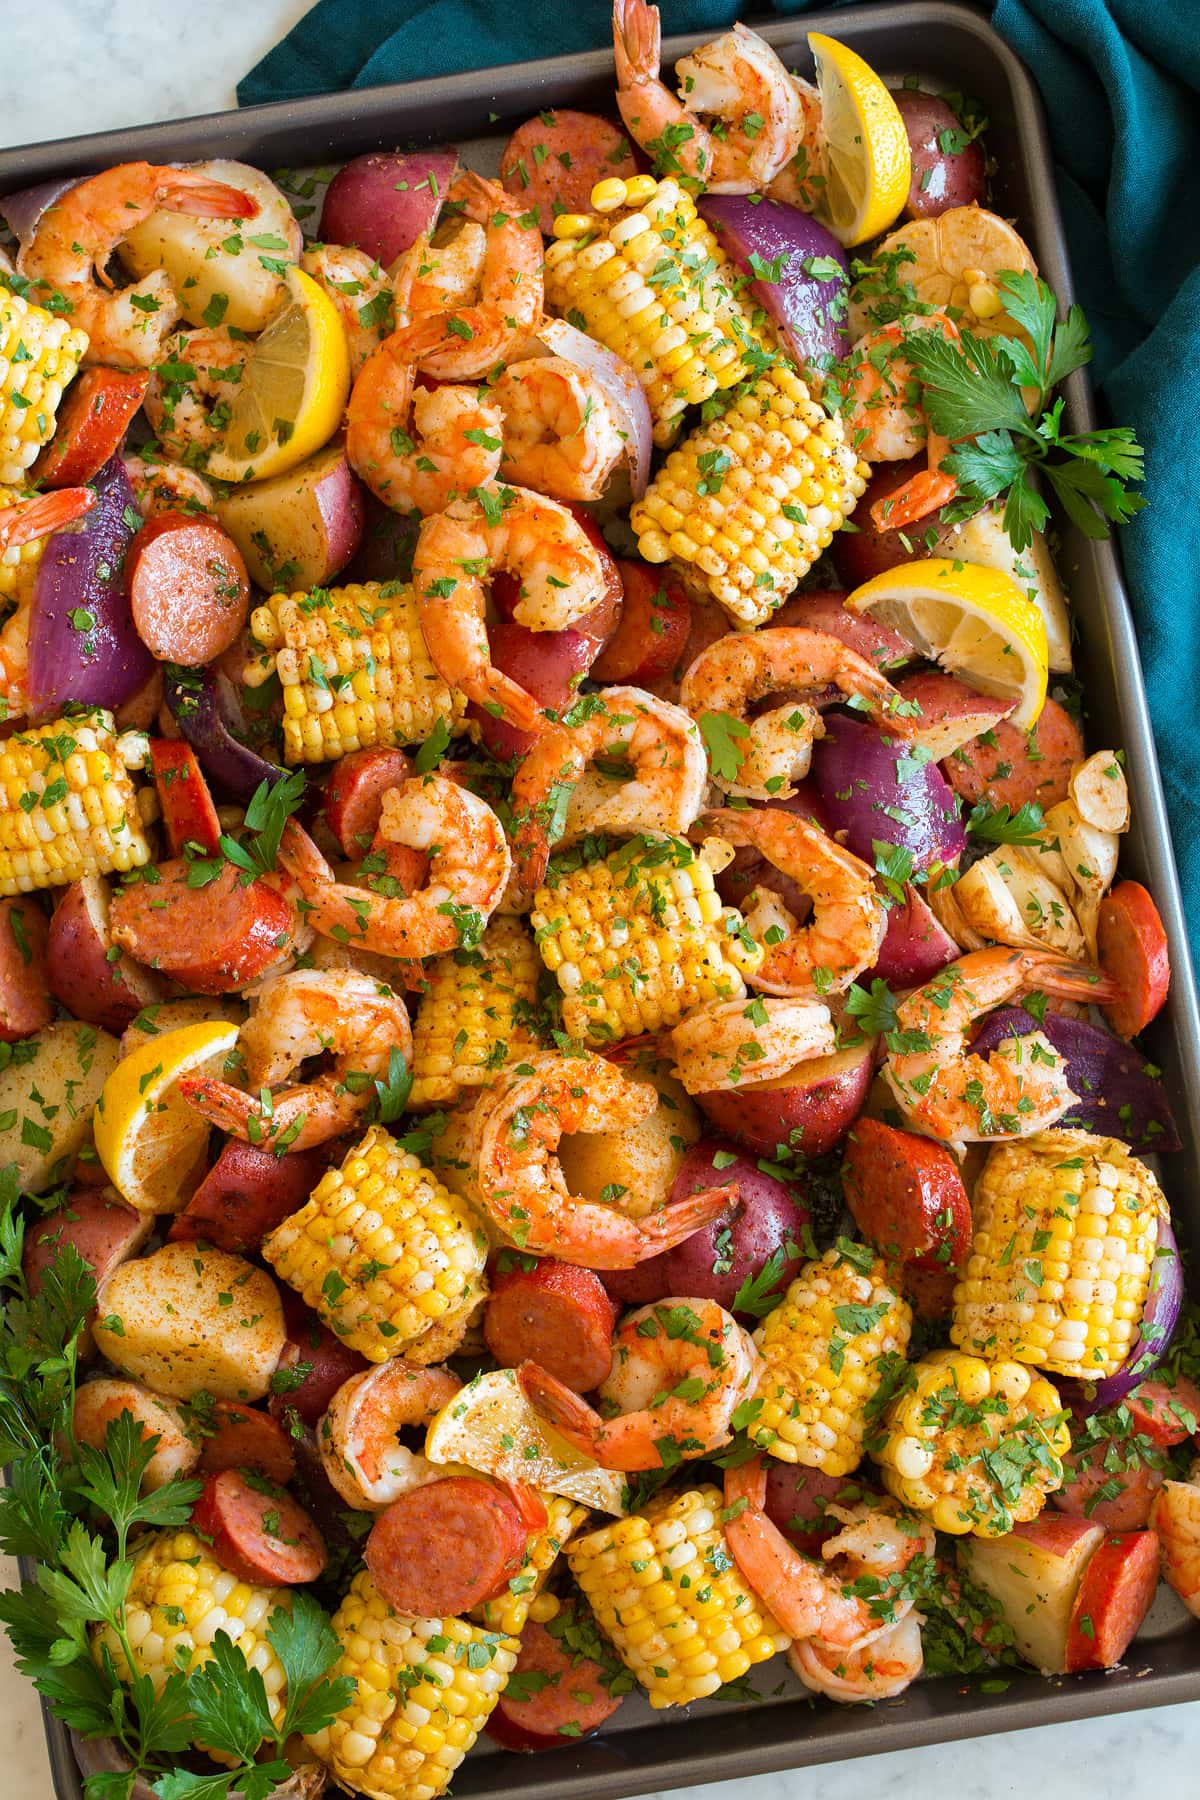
x: 638, y: 939
x: 381, y: 1251
x: 425, y: 1690
x: 666, y: 1590
x: 976, y: 1446
x: 507, y: 1612
x: 68, y: 806
x: 18, y: 564
x: 645, y: 276
x: 1066, y: 1228
x: 824, y: 1349
x: 354, y: 668
x: 746, y: 504
x: 39, y: 356
x: 475, y: 1014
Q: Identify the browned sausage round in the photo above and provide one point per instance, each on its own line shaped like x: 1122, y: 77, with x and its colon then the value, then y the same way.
x: 557, y: 1693
x: 354, y: 794
x: 25, y: 1004
x: 554, y: 1314
x: 242, y: 1437
x: 91, y: 423
x: 188, y: 588
x: 552, y: 162
x: 441, y: 1549
x: 213, y: 939
x: 1007, y: 767
x: 258, y: 1534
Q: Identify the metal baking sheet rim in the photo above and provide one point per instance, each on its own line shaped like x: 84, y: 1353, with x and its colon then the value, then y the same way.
x: 791, y: 1734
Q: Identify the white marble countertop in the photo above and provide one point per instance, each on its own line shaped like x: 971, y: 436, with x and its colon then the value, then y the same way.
x: 70, y: 66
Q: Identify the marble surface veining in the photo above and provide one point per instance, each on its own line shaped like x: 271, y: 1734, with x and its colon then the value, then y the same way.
x: 69, y: 66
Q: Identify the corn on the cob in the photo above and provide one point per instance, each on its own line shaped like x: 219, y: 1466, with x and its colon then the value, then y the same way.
x: 977, y: 1446
x: 645, y: 276
x: 475, y: 1014
x: 18, y: 564
x: 354, y: 668
x: 666, y: 1590
x: 638, y: 939
x: 68, y: 806
x: 1066, y: 1227
x: 749, y: 500
x: 39, y: 355
x: 824, y: 1349
x: 381, y: 1251
x: 425, y: 1689
x: 508, y: 1611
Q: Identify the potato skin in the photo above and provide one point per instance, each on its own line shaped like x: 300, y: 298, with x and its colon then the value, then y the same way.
x: 941, y: 178
x: 189, y: 1319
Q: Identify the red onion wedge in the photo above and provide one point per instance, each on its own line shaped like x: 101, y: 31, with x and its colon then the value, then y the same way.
x: 799, y: 272
x: 1160, y: 1316
x: 205, y: 706
x: 619, y: 383
x: 22, y: 211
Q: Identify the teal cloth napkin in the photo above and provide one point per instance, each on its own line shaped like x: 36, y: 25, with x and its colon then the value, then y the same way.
x: 1121, y: 83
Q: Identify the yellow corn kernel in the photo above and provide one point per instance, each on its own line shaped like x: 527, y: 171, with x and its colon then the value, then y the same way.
x: 476, y: 1014
x: 39, y: 356
x: 68, y: 806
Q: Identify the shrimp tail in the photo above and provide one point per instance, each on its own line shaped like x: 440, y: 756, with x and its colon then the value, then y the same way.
x: 637, y: 42
x: 682, y: 1219
x: 41, y: 514
x: 560, y: 1407
x: 1067, y: 980
x: 914, y: 500
x: 242, y: 1115
x: 202, y: 199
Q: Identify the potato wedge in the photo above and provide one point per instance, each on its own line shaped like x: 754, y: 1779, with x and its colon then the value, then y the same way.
x: 48, y: 1087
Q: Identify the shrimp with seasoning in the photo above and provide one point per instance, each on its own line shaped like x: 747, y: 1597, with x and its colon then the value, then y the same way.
x: 461, y: 331
x: 880, y: 399
x: 469, y: 864
x: 303, y: 1013
x: 537, y: 539
x: 24, y: 518
x: 946, y: 1091
x: 160, y: 487
x: 1175, y: 1515
x: 877, y: 1670
x: 849, y: 919
x: 730, y: 676
x: 739, y: 1043
x: 562, y: 436
x: 361, y: 294
x: 454, y: 444
x: 359, y: 1435
x: 510, y: 1141
x: 193, y: 388
x: 77, y: 235
x: 737, y: 81
x: 681, y: 1368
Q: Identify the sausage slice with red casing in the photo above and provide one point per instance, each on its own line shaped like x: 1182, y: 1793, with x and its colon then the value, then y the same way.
x: 1117, y: 1591
x: 189, y: 592
x: 1007, y: 767
x: 554, y: 1314
x: 552, y: 162
x: 557, y: 1693
x: 258, y: 1533
x: 25, y: 1003
x: 441, y: 1549
x: 213, y: 939
x: 242, y: 1437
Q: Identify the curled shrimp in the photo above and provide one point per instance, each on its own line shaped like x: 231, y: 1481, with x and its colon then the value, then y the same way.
x: 800, y: 182
x: 848, y: 921
x: 560, y: 573
x: 359, y: 1435
x: 881, y: 402
x: 192, y: 389
x: 24, y: 520
x: 739, y: 1043
x: 945, y: 1090
x: 303, y: 1013
x: 469, y: 865
x: 511, y: 1138
x: 680, y: 1370
x: 810, y: 1600
x: 742, y: 668
x: 419, y: 448
x: 561, y: 432
x: 653, y: 776
x: 464, y: 328
x: 77, y: 236
x: 737, y: 81
x: 877, y: 1670
x: 160, y: 487
x: 361, y: 294
x: 1175, y: 1515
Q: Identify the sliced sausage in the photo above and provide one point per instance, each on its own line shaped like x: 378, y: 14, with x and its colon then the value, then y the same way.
x: 1166, y: 1414
x: 557, y: 1693
x: 258, y: 1533
x: 798, y: 1499
x: 708, y: 622
x: 90, y: 425
x: 25, y: 1004
x: 928, y: 1287
x: 655, y: 624
x: 1116, y: 1593
x: 554, y: 1314
x: 1119, y: 1498
x: 237, y: 1436
x: 824, y: 610
x: 1007, y: 767
x: 313, y: 1364
x: 553, y: 162
x: 353, y: 801
x: 906, y: 1195
x: 948, y: 165
x: 188, y: 588
x: 441, y: 1549
x: 212, y: 939
x: 1132, y: 946
x: 90, y: 974
x: 189, y: 816
x: 247, y: 1193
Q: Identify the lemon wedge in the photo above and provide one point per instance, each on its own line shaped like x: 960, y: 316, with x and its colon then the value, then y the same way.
x: 151, y: 1142
x: 491, y: 1427
x: 976, y: 622
x: 293, y: 390
x: 868, y: 165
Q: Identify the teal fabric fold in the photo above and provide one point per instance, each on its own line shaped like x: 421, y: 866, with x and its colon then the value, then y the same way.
x: 1121, y: 84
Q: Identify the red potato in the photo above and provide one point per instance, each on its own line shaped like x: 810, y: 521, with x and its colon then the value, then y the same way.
x: 213, y: 939
x: 25, y: 1004
x: 313, y: 1365
x: 554, y: 1314
x: 862, y: 548
x: 189, y: 816
x: 353, y: 799
x: 556, y: 1694
x: 809, y: 1109
x: 1133, y: 949
x: 382, y: 202
x: 548, y: 664
x: 441, y: 1549
x: 947, y: 169
x: 708, y: 623
x: 952, y: 713
x: 1116, y: 1593
x: 240, y: 1437
x: 1034, y: 1575
x: 824, y: 610
x: 261, y: 1537
x: 915, y: 945
x: 1007, y: 767
x: 297, y: 530
x: 906, y: 1195
x: 96, y: 1223
x: 246, y: 1194
x: 655, y: 623
x: 797, y: 1499
x: 85, y: 967
x: 90, y: 425
x: 1120, y: 1499
x: 552, y: 162
x: 1167, y: 1414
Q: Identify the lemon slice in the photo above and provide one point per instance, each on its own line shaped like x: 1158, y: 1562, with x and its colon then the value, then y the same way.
x: 490, y: 1426
x: 975, y: 622
x: 151, y: 1142
x: 868, y: 165
x: 294, y: 387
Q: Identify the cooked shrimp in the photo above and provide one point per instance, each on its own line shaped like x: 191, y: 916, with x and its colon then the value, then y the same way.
x: 160, y: 487
x: 459, y: 335
x: 455, y: 441
x: 877, y: 1670
x: 946, y: 1091
x: 800, y: 181
x: 653, y: 776
x: 737, y: 81
x: 848, y: 921
x: 192, y: 389
x: 561, y: 432
x: 359, y: 1436
x: 738, y: 1043
x: 361, y: 294
x: 511, y: 1138
x: 559, y: 570
x: 77, y: 235
x: 881, y: 403
x: 1175, y: 1515
x: 469, y: 864
x: 303, y: 1013
x: 681, y: 1368
x: 24, y: 518
x: 730, y: 676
